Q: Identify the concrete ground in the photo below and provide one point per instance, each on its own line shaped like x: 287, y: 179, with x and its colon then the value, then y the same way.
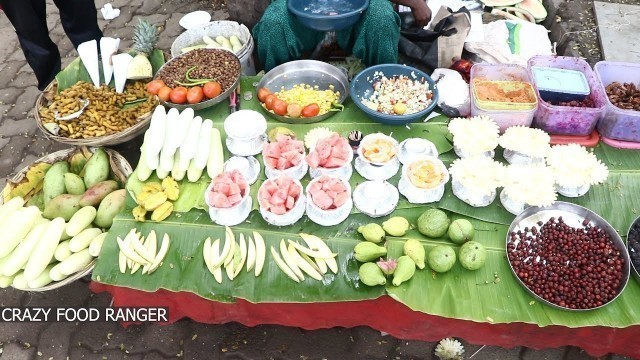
x: 21, y: 143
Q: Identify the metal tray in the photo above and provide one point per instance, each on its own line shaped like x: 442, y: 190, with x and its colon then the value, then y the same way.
x: 636, y: 271
x: 310, y: 72
x: 572, y: 215
x: 207, y: 103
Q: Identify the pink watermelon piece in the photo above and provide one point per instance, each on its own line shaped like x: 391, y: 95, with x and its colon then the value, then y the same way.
x: 276, y: 199
x: 313, y: 160
x: 323, y: 148
x: 233, y: 190
x: 331, y: 194
x: 220, y: 201
x: 279, y: 209
x: 331, y: 163
x: 235, y: 199
x: 321, y: 199
x: 290, y: 202
x: 294, y: 191
x: 315, y: 186
x: 341, y: 199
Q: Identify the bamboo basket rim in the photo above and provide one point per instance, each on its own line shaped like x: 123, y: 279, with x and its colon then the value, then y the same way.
x: 120, y: 168
x: 105, y: 140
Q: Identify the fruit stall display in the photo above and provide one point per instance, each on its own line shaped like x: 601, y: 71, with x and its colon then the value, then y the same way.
x: 427, y: 256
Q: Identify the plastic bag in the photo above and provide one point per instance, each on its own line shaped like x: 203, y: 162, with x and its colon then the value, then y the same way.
x: 453, y: 93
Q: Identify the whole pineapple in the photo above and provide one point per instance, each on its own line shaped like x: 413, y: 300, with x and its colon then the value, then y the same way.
x: 145, y: 37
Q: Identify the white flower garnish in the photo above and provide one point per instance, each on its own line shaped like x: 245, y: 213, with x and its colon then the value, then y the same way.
x: 475, y: 135
x: 479, y: 174
x: 312, y: 136
x: 449, y: 349
x: 527, y: 141
x: 574, y: 166
x: 530, y: 184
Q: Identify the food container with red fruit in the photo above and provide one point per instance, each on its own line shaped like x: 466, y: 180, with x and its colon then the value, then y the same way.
x: 328, y: 200
x: 377, y: 157
x: 281, y: 201
x: 423, y: 180
x: 284, y: 156
x: 197, y: 79
x: 245, y: 132
x: 331, y: 156
x: 228, y: 198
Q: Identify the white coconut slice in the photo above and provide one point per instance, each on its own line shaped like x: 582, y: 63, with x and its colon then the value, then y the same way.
x: 88, y: 52
x: 120, y: 64
x: 108, y: 47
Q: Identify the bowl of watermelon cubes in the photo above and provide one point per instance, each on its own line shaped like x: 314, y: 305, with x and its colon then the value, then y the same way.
x: 228, y: 198
x: 331, y: 156
x: 284, y: 156
x: 328, y: 200
x: 281, y: 200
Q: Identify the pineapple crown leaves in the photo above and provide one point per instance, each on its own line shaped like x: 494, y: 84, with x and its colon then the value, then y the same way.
x: 145, y: 37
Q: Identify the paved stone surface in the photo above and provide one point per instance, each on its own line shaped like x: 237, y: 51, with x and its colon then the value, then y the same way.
x: 21, y: 143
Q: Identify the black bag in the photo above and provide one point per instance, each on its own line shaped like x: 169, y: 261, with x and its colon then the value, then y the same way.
x: 435, y: 48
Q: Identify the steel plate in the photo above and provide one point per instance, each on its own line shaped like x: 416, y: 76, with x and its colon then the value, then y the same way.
x: 572, y: 215
x: 310, y: 72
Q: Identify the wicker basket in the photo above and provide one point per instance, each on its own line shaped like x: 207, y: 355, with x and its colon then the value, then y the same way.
x: 113, y: 139
x: 119, y: 167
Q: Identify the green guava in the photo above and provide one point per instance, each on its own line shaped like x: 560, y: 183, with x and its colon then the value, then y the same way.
x: 433, y: 223
x: 441, y: 258
x: 472, y: 255
x: 460, y: 231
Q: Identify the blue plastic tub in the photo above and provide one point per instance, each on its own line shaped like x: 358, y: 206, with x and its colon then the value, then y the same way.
x: 361, y: 87
x: 328, y: 15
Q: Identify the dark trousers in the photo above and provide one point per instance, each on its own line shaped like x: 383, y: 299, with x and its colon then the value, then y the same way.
x: 79, y: 20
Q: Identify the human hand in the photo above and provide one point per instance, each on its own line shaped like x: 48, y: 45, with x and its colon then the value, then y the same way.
x: 421, y: 13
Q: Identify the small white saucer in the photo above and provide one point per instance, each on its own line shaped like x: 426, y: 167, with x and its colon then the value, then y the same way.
x: 195, y: 19
x: 376, y: 198
x: 412, y: 148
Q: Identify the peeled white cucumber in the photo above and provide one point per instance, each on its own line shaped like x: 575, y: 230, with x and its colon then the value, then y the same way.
x: 16, y: 228
x: 44, y: 251
x: 81, y: 220
x: 82, y: 240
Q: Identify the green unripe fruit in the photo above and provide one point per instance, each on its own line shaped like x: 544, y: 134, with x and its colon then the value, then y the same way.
x: 442, y: 258
x: 433, y: 223
x: 472, y: 255
x: 396, y: 226
x: 371, y: 275
x: 413, y: 248
x: 404, y: 271
x: 366, y: 251
x: 461, y: 231
x: 372, y: 232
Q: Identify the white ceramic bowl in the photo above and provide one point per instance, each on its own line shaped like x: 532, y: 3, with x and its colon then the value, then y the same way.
x: 233, y: 215
x: 371, y: 170
x: 246, y: 132
x: 291, y: 216
x: 328, y: 217
x: 344, y: 172
x: 418, y: 195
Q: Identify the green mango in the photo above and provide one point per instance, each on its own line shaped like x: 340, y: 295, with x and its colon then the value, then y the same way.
x: 54, y: 181
x: 96, y: 169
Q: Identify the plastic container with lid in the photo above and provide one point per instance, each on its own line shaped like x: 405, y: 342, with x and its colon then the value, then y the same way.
x: 617, y: 123
x: 502, y: 72
x: 568, y: 120
x: 556, y: 84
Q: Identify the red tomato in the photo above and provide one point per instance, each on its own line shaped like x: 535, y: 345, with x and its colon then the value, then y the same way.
x: 280, y: 107
x: 268, y: 102
x: 212, y: 89
x: 294, y: 110
x: 178, y: 95
x: 195, y: 95
x: 154, y: 86
x: 164, y: 93
x: 311, y: 110
x: 262, y: 94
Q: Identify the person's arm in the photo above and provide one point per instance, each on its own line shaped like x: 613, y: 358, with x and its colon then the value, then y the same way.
x: 420, y: 10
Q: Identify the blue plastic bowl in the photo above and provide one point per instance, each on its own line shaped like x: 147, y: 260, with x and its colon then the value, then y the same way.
x: 345, y: 15
x: 361, y: 87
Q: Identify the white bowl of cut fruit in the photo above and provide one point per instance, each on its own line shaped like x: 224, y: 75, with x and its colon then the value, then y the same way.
x: 329, y: 200
x: 281, y: 201
x: 228, y: 198
x: 331, y: 156
x: 284, y: 156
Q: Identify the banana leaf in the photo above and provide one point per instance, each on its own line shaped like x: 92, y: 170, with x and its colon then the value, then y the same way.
x: 490, y: 294
x: 183, y: 268
x: 493, y: 294
x: 76, y: 71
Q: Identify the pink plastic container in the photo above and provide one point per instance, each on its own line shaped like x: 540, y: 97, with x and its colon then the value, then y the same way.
x: 501, y: 72
x: 567, y: 120
x: 618, y: 124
